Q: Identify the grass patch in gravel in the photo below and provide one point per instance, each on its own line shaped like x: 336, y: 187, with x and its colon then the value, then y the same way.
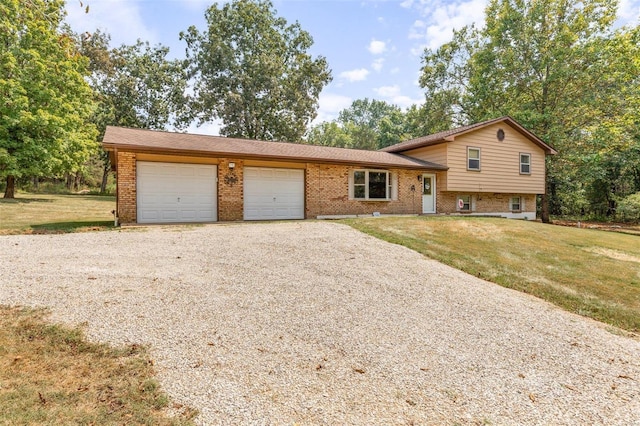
x: 49, y: 213
x: 50, y: 374
x: 589, y: 272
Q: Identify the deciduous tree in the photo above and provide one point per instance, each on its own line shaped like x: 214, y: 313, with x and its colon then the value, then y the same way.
x: 45, y: 103
x: 252, y: 70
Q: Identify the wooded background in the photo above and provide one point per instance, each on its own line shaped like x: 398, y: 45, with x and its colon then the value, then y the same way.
x: 558, y: 67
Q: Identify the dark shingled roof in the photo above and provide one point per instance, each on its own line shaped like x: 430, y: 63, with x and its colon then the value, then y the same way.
x: 120, y: 138
x: 449, y: 135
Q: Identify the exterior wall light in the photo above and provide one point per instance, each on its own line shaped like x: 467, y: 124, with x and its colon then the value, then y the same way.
x: 232, y: 166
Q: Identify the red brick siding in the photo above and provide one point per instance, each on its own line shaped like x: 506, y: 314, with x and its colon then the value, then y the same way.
x: 484, y: 202
x: 126, y: 181
x: 230, y: 190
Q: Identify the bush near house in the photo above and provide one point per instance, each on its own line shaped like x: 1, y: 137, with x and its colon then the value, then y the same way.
x: 629, y: 208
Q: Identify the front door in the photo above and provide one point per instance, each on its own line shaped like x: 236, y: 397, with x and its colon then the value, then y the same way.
x: 428, y: 193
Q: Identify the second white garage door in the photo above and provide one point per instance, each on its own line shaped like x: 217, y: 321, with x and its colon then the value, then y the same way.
x: 273, y: 193
x: 174, y: 192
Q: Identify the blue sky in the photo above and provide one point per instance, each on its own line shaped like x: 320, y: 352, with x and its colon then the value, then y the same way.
x: 373, y: 46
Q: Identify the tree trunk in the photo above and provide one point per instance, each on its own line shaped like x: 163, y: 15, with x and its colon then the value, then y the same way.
x: 105, y: 176
x: 10, y: 191
x: 544, y: 208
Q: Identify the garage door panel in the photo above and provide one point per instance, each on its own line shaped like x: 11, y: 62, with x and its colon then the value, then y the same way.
x: 176, y: 192
x: 272, y: 193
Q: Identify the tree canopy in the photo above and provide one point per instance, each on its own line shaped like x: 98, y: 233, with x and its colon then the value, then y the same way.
x: 45, y: 103
x: 253, y: 71
x: 556, y: 66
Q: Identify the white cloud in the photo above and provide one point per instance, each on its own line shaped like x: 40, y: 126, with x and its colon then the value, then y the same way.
x: 393, y: 95
x: 406, y: 4
x: 122, y: 19
x: 388, y: 91
x: 330, y: 104
x: 377, y: 47
x: 355, y: 75
x: 378, y: 64
x: 394, y: 70
x: 441, y: 18
x: 629, y: 12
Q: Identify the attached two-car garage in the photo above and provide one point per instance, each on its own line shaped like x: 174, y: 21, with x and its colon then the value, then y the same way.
x: 178, y: 192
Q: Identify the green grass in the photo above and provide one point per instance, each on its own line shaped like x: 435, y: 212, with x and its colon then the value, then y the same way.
x: 50, y: 374
x: 48, y: 213
x: 589, y: 272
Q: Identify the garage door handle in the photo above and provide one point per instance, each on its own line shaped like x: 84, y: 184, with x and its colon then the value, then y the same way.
x: 274, y: 199
x: 178, y: 199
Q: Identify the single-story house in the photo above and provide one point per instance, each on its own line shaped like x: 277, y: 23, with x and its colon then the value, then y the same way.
x: 492, y: 168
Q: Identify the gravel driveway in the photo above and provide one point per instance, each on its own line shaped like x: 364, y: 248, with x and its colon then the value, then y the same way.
x: 316, y: 323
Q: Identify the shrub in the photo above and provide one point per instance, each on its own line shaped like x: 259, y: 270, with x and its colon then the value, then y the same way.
x: 629, y: 208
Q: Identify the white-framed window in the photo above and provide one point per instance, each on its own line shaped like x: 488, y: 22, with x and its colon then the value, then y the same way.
x: 515, y: 204
x: 473, y: 158
x: 525, y: 164
x: 372, y: 185
x: 464, y: 203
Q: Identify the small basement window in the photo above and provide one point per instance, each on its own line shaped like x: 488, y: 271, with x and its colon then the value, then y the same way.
x: 464, y: 203
x: 473, y: 158
x: 525, y: 164
x: 371, y: 185
x: 515, y: 204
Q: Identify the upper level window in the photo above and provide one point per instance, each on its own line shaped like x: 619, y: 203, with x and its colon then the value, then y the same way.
x: 525, y: 164
x: 371, y: 185
x: 473, y: 158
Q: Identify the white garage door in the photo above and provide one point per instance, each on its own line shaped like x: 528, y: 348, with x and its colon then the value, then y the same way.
x: 273, y: 193
x: 173, y: 192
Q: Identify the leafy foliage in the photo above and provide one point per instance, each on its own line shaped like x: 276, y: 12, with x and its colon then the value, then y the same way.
x: 559, y: 69
x: 252, y: 70
x: 45, y: 103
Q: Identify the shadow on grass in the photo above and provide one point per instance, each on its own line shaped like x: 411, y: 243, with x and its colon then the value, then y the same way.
x: 24, y: 200
x: 65, y: 227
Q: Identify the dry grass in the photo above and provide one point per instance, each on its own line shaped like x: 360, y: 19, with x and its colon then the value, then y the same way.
x: 590, y: 272
x: 46, y: 213
x: 50, y: 375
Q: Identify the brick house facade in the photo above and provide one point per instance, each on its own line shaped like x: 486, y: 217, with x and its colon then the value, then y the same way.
x: 331, y: 182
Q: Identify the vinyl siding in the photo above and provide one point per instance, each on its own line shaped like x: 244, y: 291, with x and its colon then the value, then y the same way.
x: 499, y: 162
x: 435, y: 154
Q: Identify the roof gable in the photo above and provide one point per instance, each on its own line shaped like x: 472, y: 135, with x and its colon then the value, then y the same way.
x: 120, y: 138
x: 450, y: 135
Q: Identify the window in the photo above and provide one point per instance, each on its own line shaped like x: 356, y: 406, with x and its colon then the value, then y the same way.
x: 473, y: 158
x: 464, y: 203
x: 516, y: 204
x: 372, y: 185
x: 525, y: 164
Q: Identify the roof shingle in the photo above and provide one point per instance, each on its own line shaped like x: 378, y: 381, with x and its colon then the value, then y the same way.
x: 191, y: 144
x: 445, y: 136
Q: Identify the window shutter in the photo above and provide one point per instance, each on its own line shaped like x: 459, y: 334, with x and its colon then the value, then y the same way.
x: 351, y: 195
x: 394, y: 186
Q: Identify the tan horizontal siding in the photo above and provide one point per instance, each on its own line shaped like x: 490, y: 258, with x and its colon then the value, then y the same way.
x: 278, y: 164
x: 176, y: 159
x: 435, y: 154
x: 499, y: 163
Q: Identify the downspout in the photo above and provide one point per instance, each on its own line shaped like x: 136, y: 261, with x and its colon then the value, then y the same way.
x: 117, y: 210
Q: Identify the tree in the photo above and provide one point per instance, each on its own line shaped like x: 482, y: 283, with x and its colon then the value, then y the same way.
x: 252, y: 70
x: 554, y: 65
x: 135, y: 86
x: 45, y: 103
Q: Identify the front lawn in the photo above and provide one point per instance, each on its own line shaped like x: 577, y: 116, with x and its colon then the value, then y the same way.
x: 47, y: 213
x: 586, y: 271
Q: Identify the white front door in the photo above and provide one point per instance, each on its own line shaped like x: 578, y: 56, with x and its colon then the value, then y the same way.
x: 428, y: 193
